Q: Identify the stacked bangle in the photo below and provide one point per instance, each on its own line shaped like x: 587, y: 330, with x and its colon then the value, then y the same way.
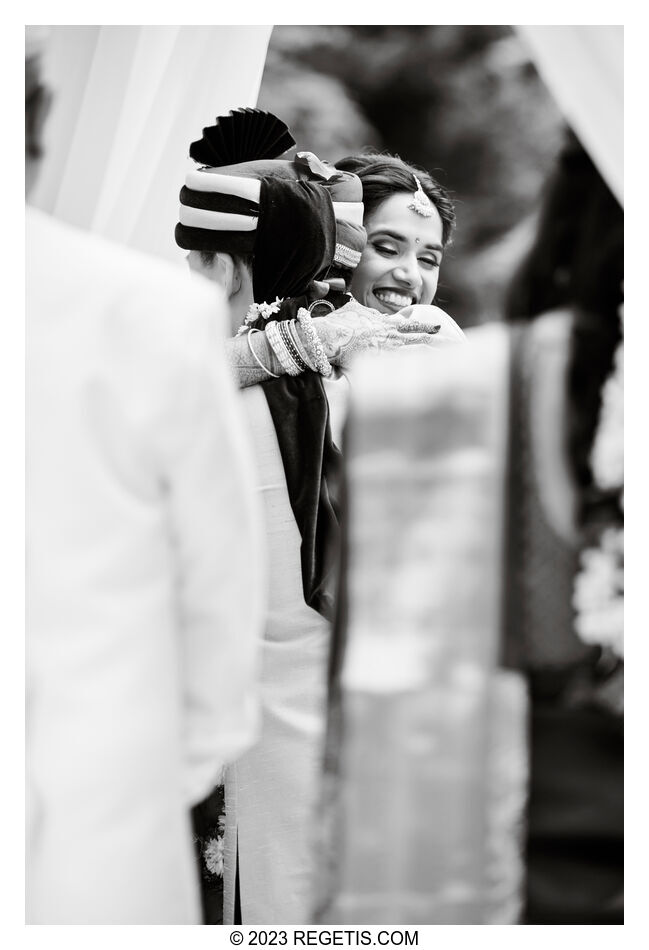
x: 291, y: 326
x: 313, y: 345
x: 287, y: 337
x: 277, y: 340
x: 255, y: 357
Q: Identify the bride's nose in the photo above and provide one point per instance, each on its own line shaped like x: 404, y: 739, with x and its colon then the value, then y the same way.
x: 407, y: 272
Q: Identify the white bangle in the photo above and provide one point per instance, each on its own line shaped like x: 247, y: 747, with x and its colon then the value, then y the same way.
x: 313, y: 343
x: 254, y: 355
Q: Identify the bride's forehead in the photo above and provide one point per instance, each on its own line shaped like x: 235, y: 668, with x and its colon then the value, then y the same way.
x: 394, y: 214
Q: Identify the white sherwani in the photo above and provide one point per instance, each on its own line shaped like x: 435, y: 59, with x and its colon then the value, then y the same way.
x: 141, y: 539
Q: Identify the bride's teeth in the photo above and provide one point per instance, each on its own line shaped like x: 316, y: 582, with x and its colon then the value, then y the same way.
x: 393, y: 298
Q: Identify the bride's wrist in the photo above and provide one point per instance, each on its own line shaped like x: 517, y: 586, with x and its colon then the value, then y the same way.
x: 303, y: 345
x: 311, y: 340
x: 326, y: 337
x: 268, y: 356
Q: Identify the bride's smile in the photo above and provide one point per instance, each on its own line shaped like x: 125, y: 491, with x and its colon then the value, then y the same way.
x: 400, y: 264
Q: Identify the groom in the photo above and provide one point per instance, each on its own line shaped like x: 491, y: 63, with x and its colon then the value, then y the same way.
x: 268, y: 228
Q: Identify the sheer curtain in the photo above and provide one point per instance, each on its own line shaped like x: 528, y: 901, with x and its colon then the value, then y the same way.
x: 128, y: 101
x: 583, y: 67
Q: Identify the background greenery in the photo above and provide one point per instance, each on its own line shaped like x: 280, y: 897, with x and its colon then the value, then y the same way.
x: 465, y: 102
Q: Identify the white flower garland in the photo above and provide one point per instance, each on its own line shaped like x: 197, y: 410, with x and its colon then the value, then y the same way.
x: 213, y: 856
x: 256, y: 310
x: 598, y: 594
x: 213, y: 852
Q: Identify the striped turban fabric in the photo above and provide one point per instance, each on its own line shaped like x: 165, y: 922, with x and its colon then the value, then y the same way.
x: 296, y: 218
x: 289, y: 226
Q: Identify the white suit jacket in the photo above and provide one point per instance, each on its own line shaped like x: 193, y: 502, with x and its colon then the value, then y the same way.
x: 144, y: 586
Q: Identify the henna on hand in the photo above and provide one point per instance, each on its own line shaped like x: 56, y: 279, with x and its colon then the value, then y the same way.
x: 354, y: 328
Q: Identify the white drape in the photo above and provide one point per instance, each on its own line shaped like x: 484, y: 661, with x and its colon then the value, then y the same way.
x: 583, y: 66
x: 128, y: 101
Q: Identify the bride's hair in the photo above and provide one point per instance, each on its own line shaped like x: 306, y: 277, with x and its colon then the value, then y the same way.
x: 384, y: 175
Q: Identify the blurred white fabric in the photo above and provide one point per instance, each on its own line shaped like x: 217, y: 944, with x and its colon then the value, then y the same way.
x: 142, y: 535
x: 583, y: 67
x: 128, y: 102
x: 433, y: 763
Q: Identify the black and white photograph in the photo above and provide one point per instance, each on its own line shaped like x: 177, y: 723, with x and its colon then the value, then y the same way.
x: 324, y: 477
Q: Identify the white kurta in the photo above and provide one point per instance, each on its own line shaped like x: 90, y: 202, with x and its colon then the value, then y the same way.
x: 272, y: 791
x: 141, y: 531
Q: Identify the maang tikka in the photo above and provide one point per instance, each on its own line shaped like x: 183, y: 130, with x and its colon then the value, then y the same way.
x: 421, y: 203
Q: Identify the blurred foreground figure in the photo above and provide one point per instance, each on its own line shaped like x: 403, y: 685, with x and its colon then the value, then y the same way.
x: 483, y: 594
x: 426, y: 765
x: 141, y: 532
x: 564, y: 622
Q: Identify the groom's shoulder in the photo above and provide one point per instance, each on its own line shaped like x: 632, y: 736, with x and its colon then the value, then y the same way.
x: 121, y: 283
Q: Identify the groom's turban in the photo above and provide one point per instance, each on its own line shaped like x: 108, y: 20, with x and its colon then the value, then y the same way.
x: 296, y: 217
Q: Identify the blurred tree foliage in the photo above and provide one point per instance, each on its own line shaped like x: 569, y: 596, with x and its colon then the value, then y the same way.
x: 464, y: 102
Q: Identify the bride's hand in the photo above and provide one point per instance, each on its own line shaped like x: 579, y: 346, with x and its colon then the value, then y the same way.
x: 449, y: 330
x: 353, y: 329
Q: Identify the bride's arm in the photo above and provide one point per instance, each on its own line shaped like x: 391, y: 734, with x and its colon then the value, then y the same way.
x: 247, y: 370
x: 343, y: 334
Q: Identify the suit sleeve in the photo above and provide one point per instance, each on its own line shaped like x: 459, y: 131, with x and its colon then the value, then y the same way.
x: 217, y: 536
